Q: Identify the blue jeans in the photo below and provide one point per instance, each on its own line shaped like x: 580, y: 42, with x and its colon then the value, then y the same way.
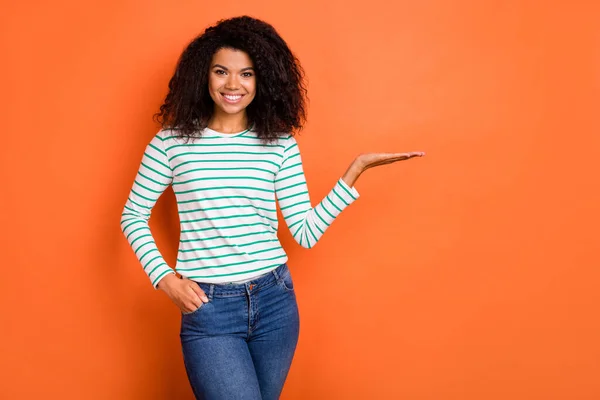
x: 240, y: 344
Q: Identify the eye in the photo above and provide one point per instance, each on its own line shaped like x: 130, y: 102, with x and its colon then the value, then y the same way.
x: 219, y: 72
x: 247, y: 74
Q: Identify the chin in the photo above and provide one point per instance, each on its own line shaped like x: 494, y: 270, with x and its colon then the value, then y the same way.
x: 232, y: 109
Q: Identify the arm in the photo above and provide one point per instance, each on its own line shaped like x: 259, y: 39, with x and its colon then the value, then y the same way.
x: 153, y: 178
x: 307, y: 223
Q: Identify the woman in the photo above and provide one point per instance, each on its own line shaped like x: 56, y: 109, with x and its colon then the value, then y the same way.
x: 227, y: 148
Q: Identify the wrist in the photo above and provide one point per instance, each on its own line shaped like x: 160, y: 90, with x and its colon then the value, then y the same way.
x: 352, y: 173
x: 166, y: 281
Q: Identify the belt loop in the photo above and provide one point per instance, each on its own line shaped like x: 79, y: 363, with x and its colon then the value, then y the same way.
x: 211, y: 290
x: 276, y: 274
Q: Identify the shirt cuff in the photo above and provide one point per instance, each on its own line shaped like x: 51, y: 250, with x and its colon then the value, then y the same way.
x: 351, y: 191
x: 166, y: 271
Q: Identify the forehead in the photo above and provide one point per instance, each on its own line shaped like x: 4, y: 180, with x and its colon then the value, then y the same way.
x: 232, y: 59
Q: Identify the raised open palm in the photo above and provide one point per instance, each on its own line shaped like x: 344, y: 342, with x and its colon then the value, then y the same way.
x: 370, y: 160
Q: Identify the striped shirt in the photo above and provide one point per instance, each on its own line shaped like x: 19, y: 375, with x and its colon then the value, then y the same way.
x: 227, y: 187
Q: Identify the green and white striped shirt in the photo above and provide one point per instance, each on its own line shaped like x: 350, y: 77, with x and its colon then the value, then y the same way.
x: 226, y: 187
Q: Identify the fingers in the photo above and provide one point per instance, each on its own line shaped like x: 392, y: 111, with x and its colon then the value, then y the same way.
x: 404, y: 156
x: 196, y: 288
x: 375, y: 159
x: 393, y: 157
x: 195, y: 299
x: 195, y: 304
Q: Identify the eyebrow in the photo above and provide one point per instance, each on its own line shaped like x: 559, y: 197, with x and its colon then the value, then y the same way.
x: 225, y: 68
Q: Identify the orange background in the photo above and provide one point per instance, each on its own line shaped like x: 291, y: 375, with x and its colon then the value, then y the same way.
x: 469, y: 274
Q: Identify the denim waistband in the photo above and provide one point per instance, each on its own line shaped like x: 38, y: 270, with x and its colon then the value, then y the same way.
x: 241, y: 289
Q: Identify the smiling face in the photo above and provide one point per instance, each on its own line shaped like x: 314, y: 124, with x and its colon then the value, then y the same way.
x: 231, y: 81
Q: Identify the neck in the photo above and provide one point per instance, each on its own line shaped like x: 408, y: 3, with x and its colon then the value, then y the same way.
x: 228, y: 123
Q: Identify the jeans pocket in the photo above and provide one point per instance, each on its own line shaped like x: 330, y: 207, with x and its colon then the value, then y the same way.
x: 286, y: 280
x: 195, y: 311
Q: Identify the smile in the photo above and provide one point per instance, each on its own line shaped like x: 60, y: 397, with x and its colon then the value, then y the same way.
x: 232, y: 98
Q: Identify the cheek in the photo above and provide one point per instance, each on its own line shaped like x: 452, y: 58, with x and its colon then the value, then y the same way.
x: 251, y: 88
x: 212, y: 85
x: 213, y: 88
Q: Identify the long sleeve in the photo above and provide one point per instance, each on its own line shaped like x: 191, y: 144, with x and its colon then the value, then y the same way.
x: 306, y: 223
x: 153, y: 178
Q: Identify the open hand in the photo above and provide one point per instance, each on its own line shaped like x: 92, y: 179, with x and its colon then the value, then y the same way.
x: 370, y: 160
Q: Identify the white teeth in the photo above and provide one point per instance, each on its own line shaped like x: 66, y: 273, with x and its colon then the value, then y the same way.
x: 232, y: 98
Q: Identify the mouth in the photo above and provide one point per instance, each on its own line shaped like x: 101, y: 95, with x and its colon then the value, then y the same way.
x: 232, y: 98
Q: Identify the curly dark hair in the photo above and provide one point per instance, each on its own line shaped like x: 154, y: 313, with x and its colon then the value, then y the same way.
x: 279, y: 106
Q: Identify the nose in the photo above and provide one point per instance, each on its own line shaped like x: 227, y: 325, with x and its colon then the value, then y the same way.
x: 232, y: 82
